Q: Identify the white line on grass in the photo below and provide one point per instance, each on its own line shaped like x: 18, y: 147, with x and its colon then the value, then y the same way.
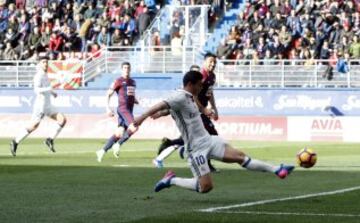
x: 291, y: 213
x: 121, y: 165
x: 248, y: 204
x: 45, y: 152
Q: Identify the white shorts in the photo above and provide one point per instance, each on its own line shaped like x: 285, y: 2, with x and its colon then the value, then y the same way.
x: 40, y: 112
x: 213, y: 148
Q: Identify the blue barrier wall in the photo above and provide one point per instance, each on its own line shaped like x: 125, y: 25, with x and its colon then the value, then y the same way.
x: 277, y: 102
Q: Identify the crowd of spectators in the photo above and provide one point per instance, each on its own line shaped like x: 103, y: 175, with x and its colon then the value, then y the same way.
x: 294, y: 29
x: 63, y: 28
x: 80, y: 28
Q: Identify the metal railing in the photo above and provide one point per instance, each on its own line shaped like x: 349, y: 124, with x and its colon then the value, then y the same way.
x: 195, y: 25
x: 230, y: 73
x: 17, y: 73
x: 160, y: 59
x: 286, y: 73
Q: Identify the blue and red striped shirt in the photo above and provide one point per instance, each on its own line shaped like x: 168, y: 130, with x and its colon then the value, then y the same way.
x: 125, y: 89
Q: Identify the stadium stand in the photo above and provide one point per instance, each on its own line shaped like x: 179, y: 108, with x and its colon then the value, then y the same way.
x: 293, y: 30
x: 257, y: 47
x: 62, y: 27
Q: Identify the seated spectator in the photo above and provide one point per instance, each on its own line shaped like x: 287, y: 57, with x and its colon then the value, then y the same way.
x: 90, y: 12
x: 276, y: 47
x: 34, y: 41
x: 95, y: 50
x: 325, y: 51
x: 104, y: 38
x: 129, y: 27
x: 285, y: 37
x: 116, y: 38
x: 118, y: 23
x: 268, y: 58
x: 248, y: 49
x: 71, y: 40
x: 224, y: 50
x: 268, y: 21
x: 140, y: 9
x: 9, y: 52
x: 56, y: 42
x: 278, y: 21
x: 355, y: 48
x: 10, y: 37
x: 261, y: 47
x: 45, y: 39
x: 24, y: 28
x: 103, y: 21
x: 344, y: 46
x: 234, y: 36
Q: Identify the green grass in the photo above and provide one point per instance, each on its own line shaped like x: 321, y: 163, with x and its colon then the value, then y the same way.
x: 70, y: 186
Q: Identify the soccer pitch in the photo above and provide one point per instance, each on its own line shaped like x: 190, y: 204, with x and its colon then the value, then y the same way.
x: 70, y: 186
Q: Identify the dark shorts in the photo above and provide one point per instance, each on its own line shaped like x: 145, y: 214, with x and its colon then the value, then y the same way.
x: 209, y: 126
x: 125, y: 118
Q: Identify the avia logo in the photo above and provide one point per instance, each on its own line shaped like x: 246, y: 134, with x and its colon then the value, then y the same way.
x: 326, y: 125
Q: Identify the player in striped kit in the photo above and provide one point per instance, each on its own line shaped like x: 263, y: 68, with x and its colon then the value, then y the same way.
x: 125, y: 87
x: 42, y: 107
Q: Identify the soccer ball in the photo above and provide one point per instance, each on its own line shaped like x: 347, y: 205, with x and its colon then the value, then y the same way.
x: 306, y: 158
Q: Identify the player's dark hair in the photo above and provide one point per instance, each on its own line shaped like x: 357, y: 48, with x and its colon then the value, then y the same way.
x: 192, y: 77
x: 195, y: 67
x: 125, y: 63
x: 208, y: 54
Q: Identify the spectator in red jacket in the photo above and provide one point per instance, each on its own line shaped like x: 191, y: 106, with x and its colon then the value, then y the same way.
x: 56, y: 42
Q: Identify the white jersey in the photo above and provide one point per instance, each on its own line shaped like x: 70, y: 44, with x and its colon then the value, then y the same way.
x: 42, y: 90
x: 186, y: 114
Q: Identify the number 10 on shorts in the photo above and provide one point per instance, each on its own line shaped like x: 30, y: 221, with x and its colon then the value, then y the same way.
x: 200, y: 160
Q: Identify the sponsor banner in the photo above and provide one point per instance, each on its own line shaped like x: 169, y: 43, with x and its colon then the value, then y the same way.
x: 229, y: 102
x: 101, y: 126
x: 65, y: 74
x: 319, y: 128
x: 252, y: 128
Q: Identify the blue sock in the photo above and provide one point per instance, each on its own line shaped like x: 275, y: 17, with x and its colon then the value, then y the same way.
x: 124, y: 137
x: 111, y: 141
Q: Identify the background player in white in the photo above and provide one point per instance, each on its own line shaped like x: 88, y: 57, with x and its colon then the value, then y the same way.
x: 42, y: 107
x: 200, y: 145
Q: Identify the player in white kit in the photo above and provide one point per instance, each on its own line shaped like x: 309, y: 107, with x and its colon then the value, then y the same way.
x: 42, y: 107
x: 199, y: 144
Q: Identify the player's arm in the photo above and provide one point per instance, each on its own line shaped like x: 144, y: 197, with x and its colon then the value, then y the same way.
x: 215, y: 114
x: 109, y: 93
x: 152, y: 111
x: 136, y: 101
x: 161, y: 113
x: 38, y: 88
x: 202, y: 109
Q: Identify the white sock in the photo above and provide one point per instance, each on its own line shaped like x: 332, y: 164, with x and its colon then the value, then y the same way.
x: 188, y: 183
x: 55, y: 132
x: 22, y: 135
x: 165, y: 153
x: 258, y: 165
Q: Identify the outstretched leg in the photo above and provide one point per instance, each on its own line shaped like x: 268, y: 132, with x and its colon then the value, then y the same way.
x: 232, y: 155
